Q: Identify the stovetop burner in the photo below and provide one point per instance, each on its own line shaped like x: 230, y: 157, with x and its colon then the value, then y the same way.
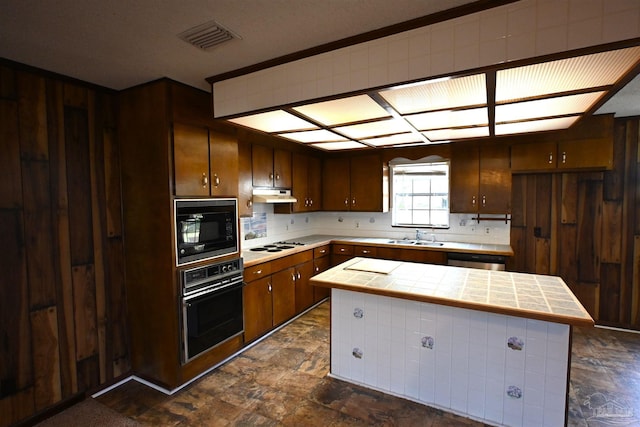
x: 277, y: 246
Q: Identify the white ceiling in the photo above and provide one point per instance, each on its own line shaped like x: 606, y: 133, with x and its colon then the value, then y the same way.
x: 119, y: 44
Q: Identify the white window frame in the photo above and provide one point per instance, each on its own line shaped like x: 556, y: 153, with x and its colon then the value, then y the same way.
x: 406, y: 167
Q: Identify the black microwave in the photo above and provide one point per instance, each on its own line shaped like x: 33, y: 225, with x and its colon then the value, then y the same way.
x: 205, y: 229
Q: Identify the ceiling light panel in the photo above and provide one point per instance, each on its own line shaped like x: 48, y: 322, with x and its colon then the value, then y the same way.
x: 373, y: 129
x: 564, y: 75
x: 334, y: 146
x: 438, y: 94
x: 535, y: 125
x: 464, y: 133
x: 548, y: 107
x: 448, y: 118
x: 320, y: 135
x: 401, y: 138
x: 345, y: 110
x: 274, y: 121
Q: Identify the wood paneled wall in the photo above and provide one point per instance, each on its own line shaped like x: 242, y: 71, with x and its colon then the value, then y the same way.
x: 585, y: 227
x: 62, y: 303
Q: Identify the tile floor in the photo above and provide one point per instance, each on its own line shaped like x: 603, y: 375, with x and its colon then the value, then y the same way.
x: 282, y: 381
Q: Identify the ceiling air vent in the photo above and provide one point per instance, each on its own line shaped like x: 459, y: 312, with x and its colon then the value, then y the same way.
x: 208, y: 35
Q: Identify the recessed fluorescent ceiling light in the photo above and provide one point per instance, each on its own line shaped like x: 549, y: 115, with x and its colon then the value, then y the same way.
x: 346, y: 145
x: 320, y: 135
x: 535, y: 125
x: 345, y: 110
x: 449, y: 118
x: 401, y: 138
x: 547, y: 107
x: 378, y: 128
x: 564, y: 75
x: 274, y: 121
x: 447, y: 134
x: 438, y: 94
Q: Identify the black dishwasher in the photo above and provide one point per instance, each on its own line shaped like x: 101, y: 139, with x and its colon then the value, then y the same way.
x: 481, y: 261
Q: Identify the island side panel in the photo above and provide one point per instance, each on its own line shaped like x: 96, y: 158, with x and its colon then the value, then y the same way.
x: 500, y: 369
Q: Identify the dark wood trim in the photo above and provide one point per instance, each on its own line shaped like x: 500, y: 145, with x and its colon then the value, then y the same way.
x: 445, y: 15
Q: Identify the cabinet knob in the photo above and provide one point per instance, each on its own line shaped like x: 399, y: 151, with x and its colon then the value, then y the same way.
x: 484, y: 200
x: 353, y: 202
x: 216, y: 180
x: 564, y: 157
x: 473, y: 201
x: 550, y: 158
x: 277, y: 177
x: 249, y: 203
x: 271, y: 176
x: 346, y: 201
x: 205, y: 180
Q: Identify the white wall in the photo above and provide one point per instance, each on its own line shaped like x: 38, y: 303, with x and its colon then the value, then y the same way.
x: 370, y: 224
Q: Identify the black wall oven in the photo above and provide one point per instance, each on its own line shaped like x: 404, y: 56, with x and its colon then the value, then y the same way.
x: 211, y: 306
x: 205, y: 229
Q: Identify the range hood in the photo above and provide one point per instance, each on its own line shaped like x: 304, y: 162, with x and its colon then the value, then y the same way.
x: 268, y: 195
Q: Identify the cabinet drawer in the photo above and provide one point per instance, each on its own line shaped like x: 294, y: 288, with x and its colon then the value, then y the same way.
x: 366, y: 251
x: 321, y: 251
x: 256, y: 272
x: 291, y: 260
x: 342, y: 249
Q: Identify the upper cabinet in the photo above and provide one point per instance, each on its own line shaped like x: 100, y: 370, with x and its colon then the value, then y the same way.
x: 358, y: 183
x: 245, y: 180
x: 205, y: 162
x: 480, y: 179
x: 306, y: 186
x: 596, y: 153
x: 271, y: 167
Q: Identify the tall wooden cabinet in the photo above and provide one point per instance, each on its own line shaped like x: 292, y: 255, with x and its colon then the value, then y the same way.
x: 357, y: 183
x: 480, y: 179
x: 165, y: 150
x: 306, y: 185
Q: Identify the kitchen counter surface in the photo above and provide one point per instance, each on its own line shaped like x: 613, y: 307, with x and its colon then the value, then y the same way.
x: 524, y: 295
x: 252, y: 258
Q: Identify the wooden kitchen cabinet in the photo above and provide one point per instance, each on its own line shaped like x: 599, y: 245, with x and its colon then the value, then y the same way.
x: 306, y: 185
x: 258, y: 308
x: 358, y: 183
x: 271, y: 167
x: 283, y: 296
x: 365, y: 251
x: 205, y: 162
x: 548, y: 156
x: 245, y: 180
x: 480, y: 180
x: 341, y: 253
x: 304, y: 290
x: 321, y: 262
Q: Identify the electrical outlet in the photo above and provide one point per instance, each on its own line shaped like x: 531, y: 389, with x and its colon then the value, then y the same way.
x: 487, y: 230
x: 357, y: 224
x: 473, y: 229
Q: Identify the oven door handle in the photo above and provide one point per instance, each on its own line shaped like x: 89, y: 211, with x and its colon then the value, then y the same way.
x: 206, y: 291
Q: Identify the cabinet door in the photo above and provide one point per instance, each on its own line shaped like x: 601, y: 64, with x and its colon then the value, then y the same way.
x: 262, y: 165
x: 365, y: 251
x: 258, y: 311
x: 494, y: 196
x: 300, y: 188
x: 336, y: 184
x: 245, y: 180
x: 464, y: 179
x: 540, y: 156
x: 283, y: 295
x: 366, y: 183
x: 320, y: 265
x: 314, y: 184
x: 191, y: 160
x: 281, y: 168
x: 590, y: 153
x: 304, y: 290
x: 223, y: 163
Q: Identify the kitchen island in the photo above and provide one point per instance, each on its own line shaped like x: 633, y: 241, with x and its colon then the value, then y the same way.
x: 493, y: 346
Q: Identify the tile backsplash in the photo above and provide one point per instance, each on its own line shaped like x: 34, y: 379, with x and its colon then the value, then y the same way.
x: 369, y: 224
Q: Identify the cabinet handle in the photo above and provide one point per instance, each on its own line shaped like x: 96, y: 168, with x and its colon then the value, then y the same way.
x: 473, y: 201
x: 293, y: 276
x: 269, y: 286
x: 366, y: 252
x: 299, y: 275
x: 216, y: 180
x: 277, y: 177
x: 346, y: 201
x: 257, y: 272
x: 342, y: 249
x: 564, y: 157
x: 484, y: 200
x: 550, y: 158
x: 323, y: 251
x: 317, y: 269
x: 249, y: 203
x: 353, y: 202
x: 271, y: 176
x: 205, y: 180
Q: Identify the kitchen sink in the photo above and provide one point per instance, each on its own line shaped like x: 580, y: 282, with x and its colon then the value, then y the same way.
x: 428, y: 243
x: 402, y: 242
x: 414, y: 242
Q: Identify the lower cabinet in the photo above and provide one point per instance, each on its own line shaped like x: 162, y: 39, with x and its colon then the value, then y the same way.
x: 321, y: 262
x: 278, y: 290
x: 343, y: 252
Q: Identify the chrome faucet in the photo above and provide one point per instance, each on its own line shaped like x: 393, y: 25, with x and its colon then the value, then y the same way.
x: 418, y: 236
